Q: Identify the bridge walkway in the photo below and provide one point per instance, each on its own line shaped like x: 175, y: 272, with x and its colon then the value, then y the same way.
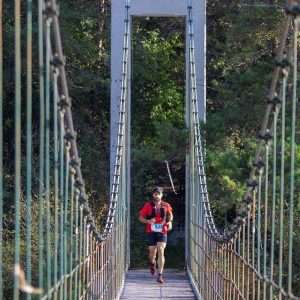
x: 141, y: 285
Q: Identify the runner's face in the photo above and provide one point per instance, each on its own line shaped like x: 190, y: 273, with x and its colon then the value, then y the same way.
x: 157, y: 196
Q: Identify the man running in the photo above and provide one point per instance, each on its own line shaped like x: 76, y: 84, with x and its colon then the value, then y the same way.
x: 158, y: 217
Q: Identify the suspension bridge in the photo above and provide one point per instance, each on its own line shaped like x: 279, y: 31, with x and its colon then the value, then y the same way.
x: 253, y: 258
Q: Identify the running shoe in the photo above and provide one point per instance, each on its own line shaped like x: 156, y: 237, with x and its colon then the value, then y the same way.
x: 160, y: 278
x: 152, y: 268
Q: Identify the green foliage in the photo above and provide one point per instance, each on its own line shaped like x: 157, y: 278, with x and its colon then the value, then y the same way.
x: 158, y: 66
x: 241, y: 43
x: 227, y: 171
x: 157, y: 117
x: 89, y: 82
x: 158, y: 131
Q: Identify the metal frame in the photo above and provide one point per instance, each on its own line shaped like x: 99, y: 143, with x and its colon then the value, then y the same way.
x: 158, y: 8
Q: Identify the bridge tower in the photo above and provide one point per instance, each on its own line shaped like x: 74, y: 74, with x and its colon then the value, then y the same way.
x: 155, y: 8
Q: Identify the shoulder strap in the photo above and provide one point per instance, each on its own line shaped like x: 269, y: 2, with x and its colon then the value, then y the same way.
x: 166, y: 214
x: 152, y: 215
x: 163, y: 211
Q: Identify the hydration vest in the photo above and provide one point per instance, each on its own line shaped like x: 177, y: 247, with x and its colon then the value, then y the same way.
x: 163, y: 212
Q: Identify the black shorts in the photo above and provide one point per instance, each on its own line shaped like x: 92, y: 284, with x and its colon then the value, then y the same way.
x: 154, y: 237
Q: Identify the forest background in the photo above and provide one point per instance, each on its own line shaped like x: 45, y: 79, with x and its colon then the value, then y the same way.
x: 241, y: 40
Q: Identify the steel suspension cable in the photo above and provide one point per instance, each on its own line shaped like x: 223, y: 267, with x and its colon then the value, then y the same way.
x: 121, y: 123
x: 71, y: 227
x: 17, y: 142
x: 29, y: 148
x: 266, y: 202
x: 42, y: 140
x: 282, y: 181
x: 61, y: 196
x: 293, y: 144
x: 274, y: 188
x: 1, y: 149
x: 196, y: 125
x: 47, y: 150
x: 202, y: 262
x: 65, y: 217
x: 56, y: 177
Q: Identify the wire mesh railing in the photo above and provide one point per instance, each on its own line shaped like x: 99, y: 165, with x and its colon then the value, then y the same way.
x: 255, y: 257
x: 49, y: 238
x: 53, y: 242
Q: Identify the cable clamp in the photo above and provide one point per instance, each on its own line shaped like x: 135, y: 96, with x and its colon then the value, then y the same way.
x: 56, y: 61
x: 78, y: 184
x: 98, y: 238
x: 86, y: 211
x: 283, y: 63
x: 82, y: 199
x: 275, y: 100
x: 63, y: 102
x: 75, y: 162
x: 91, y: 224
x: 252, y: 183
x: 73, y: 171
x: 248, y: 198
x: 233, y: 229
x: 49, y: 11
x: 266, y: 136
x: 259, y: 164
x: 239, y: 221
x: 242, y: 212
x: 69, y: 136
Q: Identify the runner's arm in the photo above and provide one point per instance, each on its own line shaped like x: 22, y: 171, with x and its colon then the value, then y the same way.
x: 146, y: 221
x: 170, y: 217
x: 143, y: 213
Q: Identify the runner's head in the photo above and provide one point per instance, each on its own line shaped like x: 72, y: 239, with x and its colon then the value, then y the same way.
x: 157, y: 193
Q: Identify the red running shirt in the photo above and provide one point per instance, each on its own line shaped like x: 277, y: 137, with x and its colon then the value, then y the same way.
x: 147, y: 211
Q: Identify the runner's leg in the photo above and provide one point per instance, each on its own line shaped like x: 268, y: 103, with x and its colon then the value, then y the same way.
x: 152, y: 251
x: 152, y: 254
x: 161, y: 256
x: 152, y: 258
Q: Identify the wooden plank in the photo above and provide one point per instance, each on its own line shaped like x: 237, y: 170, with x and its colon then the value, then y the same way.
x: 141, y: 285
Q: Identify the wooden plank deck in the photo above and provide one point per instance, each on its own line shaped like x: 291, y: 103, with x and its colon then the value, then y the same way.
x: 141, y: 285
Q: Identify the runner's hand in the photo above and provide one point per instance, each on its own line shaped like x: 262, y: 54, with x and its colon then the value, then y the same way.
x: 151, y: 221
x: 169, y: 225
